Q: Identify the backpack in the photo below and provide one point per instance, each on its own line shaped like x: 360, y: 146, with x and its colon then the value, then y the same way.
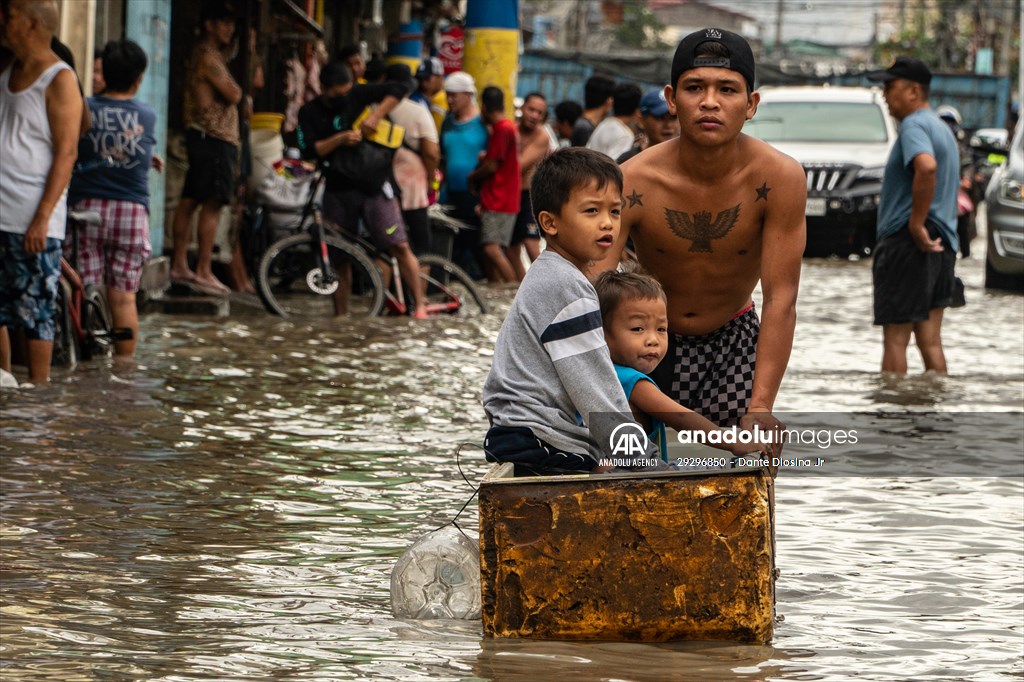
x: 367, y: 165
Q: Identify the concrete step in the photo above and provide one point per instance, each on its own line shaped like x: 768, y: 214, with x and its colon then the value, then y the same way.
x: 213, y: 306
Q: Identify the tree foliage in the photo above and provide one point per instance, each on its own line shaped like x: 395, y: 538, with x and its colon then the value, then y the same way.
x: 640, y: 29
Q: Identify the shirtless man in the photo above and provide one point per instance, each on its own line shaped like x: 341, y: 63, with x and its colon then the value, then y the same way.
x: 534, y: 145
x: 711, y: 213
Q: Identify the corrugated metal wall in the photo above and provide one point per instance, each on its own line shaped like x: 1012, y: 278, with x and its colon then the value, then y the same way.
x: 983, y: 101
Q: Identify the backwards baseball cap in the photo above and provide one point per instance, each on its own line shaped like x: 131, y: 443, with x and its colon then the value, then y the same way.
x: 740, y: 59
x: 907, y: 68
x: 653, y: 103
x: 460, y: 81
x: 429, y: 67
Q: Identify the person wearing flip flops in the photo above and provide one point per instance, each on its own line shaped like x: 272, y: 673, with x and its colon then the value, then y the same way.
x: 212, y: 139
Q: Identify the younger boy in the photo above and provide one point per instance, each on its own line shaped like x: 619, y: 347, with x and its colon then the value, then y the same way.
x: 497, y: 178
x: 114, y: 158
x: 635, y: 316
x: 551, y: 395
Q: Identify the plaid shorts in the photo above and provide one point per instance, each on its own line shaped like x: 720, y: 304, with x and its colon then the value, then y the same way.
x: 113, y: 252
x: 713, y: 374
x: 28, y: 286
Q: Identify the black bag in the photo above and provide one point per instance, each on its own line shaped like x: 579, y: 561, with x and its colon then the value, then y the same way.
x: 364, y: 167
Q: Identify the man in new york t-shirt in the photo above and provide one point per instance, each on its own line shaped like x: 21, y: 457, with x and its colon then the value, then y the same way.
x: 114, y: 158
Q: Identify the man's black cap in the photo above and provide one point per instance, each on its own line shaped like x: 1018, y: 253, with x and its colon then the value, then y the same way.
x: 908, y: 68
x: 740, y: 59
x: 400, y: 73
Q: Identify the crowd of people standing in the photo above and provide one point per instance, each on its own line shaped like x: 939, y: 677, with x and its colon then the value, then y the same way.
x: 470, y: 156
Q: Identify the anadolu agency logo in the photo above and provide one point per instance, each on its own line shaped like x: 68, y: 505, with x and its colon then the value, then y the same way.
x: 628, y: 440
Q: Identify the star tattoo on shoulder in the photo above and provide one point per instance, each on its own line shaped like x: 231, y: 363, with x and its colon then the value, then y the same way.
x: 635, y: 199
x: 762, y: 192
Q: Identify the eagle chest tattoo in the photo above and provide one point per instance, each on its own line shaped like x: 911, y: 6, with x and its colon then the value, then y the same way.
x: 699, y: 228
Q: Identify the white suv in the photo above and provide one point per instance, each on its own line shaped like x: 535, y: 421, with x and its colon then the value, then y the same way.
x: 842, y: 137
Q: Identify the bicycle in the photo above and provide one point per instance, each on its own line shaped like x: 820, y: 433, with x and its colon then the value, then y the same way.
x: 84, y: 327
x: 315, y: 274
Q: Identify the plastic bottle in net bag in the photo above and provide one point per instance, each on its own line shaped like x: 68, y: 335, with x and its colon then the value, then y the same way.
x: 438, y: 577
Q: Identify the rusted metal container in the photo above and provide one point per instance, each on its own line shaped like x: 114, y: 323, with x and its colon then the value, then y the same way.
x: 645, y: 557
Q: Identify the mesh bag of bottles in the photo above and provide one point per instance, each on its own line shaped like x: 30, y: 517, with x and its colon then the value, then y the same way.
x: 283, y: 194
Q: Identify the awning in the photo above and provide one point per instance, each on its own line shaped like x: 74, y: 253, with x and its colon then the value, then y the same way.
x: 303, y: 18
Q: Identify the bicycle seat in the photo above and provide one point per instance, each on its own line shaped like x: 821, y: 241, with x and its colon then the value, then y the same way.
x: 85, y: 217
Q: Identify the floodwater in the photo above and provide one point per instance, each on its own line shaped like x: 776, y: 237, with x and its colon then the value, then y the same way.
x: 231, y: 506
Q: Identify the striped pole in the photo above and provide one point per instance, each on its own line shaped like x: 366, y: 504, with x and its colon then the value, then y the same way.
x: 491, y: 50
x: 406, y: 46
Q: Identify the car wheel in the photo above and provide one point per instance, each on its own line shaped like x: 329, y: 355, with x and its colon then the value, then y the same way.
x: 1000, y: 280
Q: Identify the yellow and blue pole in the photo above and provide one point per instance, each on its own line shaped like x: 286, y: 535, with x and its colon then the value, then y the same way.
x: 491, y: 46
x: 406, y: 46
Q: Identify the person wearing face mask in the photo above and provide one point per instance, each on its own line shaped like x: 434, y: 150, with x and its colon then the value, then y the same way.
x: 326, y: 124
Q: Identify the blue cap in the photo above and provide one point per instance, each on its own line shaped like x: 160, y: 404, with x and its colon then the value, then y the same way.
x: 653, y: 103
x: 431, y: 66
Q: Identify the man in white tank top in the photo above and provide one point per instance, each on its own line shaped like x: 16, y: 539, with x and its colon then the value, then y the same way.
x: 40, y: 115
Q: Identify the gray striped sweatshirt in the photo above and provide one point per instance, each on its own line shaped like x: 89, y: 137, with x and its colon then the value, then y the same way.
x: 551, y: 363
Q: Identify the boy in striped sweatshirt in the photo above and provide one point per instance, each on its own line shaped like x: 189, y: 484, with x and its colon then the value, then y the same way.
x: 552, y: 396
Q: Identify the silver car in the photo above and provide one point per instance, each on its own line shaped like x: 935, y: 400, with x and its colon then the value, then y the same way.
x: 1004, y: 201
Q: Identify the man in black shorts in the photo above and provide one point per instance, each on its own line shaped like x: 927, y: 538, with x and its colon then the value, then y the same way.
x: 915, y: 255
x: 211, y: 138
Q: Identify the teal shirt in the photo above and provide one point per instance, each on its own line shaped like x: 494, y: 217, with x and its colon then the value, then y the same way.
x: 461, y: 144
x: 629, y: 377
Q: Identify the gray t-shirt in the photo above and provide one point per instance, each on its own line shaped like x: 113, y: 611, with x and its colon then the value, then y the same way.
x: 552, y: 372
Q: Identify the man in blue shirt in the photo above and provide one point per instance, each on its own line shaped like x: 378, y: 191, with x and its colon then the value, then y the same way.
x: 917, y: 240
x: 463, y: 139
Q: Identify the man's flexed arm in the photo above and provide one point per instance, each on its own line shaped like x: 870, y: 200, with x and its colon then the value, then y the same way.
x: 922, y: 191
x: 783, y: 239
x: 220, y: 79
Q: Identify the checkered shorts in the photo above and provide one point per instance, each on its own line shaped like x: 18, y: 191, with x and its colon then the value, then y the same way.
x: 113, y: 252
x: 713, y: 374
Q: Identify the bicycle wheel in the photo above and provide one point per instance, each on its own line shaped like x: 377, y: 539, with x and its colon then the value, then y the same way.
x: 449, y: 290
x: 290, y: 282
x: 96, y: 322
x: 65, y: 345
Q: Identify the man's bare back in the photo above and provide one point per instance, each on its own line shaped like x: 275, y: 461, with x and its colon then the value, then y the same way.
x: 703, y: 237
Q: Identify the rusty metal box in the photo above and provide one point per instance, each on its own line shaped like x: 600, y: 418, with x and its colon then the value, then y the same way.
x: 645, y: 557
